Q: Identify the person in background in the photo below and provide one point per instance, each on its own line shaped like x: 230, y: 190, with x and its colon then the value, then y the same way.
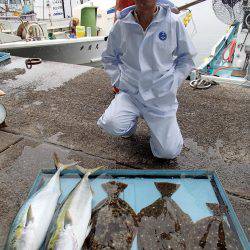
x: 73, y: 23
x: 149, y: 54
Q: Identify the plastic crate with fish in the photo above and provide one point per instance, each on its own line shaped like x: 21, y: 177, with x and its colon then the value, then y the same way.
x: 127, y: 209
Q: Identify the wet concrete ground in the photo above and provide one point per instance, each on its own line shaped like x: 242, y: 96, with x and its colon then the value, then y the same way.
x: 56, y: 110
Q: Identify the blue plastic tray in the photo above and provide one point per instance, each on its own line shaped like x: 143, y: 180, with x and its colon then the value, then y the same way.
x: 197, y: 188
x: 4, y: 56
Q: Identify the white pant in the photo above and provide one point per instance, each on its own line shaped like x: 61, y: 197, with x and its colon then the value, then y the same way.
x: 120, y: 119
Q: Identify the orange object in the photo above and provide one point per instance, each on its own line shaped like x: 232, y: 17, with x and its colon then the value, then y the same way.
x: 122, y: 4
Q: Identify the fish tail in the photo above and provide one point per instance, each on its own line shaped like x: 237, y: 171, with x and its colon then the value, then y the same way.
x: 87, y: 171
x: 114, y: 188
x: 217, y: 209
x: 59, y: 165
x: 166, y: 189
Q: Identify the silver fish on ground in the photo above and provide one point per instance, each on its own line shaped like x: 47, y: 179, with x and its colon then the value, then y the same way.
x: 71, y: 226
x: 30, y: 226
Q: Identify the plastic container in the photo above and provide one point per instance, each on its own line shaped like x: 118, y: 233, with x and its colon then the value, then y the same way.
x: 88, y: 31
x: 80, y: 31
x: 88, y: 18
x: 197, y: 187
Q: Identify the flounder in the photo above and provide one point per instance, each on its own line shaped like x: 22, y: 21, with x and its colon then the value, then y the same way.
x: 163, y: 225
x: 213, y: 232
x: 113, y: 221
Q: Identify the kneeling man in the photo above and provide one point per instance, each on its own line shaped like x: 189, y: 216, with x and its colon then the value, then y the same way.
x: 148, y: 56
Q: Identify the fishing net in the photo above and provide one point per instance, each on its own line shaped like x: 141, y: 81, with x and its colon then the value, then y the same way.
x: 229, y: 11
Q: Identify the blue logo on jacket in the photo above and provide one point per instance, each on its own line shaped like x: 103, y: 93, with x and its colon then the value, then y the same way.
x: 162, y: 35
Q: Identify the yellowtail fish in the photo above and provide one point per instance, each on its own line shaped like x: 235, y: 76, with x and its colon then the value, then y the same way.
x: 30, y: 226
x: 72, y: 224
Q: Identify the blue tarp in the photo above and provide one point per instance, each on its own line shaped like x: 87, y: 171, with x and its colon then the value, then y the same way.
x: 4, y: 56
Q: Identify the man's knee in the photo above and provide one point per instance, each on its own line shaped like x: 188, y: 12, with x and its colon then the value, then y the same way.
x: 114, y: 126
x: 167, y: 152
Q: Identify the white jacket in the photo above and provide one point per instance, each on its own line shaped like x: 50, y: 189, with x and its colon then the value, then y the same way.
x: 150, y: 65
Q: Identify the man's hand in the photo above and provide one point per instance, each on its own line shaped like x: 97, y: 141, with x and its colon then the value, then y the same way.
x: 116, y: 90
x: 175, y: 10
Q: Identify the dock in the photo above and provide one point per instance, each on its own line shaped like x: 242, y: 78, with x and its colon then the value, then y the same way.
x: 54, y: 107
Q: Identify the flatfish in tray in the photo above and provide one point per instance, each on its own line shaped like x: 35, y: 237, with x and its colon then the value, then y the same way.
x: 114, y: 222
x: 163, y: 225
x: 213, y: 232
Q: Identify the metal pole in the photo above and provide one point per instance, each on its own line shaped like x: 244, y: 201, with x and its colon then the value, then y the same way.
x: 71, y: 11
x: 63, y: 9
x: 184, y: 7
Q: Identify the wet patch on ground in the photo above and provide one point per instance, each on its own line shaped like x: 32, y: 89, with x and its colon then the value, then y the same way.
x: 11, y: 74
x: 44, y: 76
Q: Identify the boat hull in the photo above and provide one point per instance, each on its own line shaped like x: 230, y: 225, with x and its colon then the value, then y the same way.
x: 85, y: 52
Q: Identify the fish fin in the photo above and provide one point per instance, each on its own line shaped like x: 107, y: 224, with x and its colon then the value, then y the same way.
x: 114, y: 188
x: 67, y: 219
x: 88, y: 230
x: 61, y: 166
x: 166, y: 188
x: 29, y: 217
x: 91, y: 189
x: 56, y: 161
x: 86, y: 171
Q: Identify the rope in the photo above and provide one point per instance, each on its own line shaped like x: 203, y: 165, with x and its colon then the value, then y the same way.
x: 201, y: 84
x: 32, y: 61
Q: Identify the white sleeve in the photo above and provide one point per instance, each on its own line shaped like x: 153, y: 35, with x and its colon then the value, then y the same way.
x: 185, y: 52
x: 111, y: 56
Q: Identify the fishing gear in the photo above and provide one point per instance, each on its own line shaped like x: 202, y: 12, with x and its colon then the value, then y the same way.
x: 246, y: 8
x: 229, y: 11
x: 32, y: 61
